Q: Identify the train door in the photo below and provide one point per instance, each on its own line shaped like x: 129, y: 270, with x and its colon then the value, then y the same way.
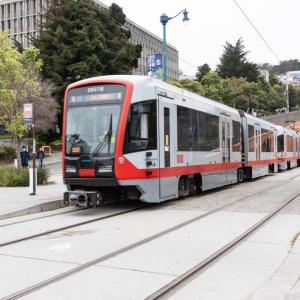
x: 256, y: 169
x: 257, y: 144
x: 226, y: 146
x: 294, y: 146
x: 167, y: 183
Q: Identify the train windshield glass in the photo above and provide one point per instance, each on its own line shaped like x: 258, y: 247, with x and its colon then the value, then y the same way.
x: 92, y: 129
x: 93, y: 114
x: 141, y: 134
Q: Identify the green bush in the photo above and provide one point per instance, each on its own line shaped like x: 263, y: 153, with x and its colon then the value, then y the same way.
x: 43, y: 176
x: 5, y: 136
x: 57, y: 144
x: 10, y: 176
x: 9, y: 152
x: 40, y: 141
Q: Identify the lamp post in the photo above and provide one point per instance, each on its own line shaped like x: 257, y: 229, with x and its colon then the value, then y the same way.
x: 287, y: 97
x: 164, y: 19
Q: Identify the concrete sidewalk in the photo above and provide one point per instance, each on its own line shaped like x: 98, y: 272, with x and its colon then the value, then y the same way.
x: 16, y: 201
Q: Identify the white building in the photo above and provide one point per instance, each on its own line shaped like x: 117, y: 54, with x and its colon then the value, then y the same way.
x: 291, y: 77
x: 265, y: 74
x: 22, y: 17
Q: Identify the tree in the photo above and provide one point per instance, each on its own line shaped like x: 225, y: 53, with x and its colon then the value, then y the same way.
x: 20, y: 83
x: 294, y: 96
x: 286, y: 66
x: 79, y: 40
x: 233, y: 63
x: 202, y: 71
x: 273, y: 79
x: 46, y: 107
x: 212, y: 85
x: 237, y: 92
x: 191, y: 85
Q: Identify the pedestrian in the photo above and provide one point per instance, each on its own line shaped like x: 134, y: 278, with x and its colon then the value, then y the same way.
x: 24, y: 157
x: 40, y: 156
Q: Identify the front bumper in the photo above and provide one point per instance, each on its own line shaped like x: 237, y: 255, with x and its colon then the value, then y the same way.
x: 92, y: 182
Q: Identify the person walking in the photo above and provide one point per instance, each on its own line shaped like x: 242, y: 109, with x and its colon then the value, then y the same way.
x: 40, y: 156
x: 24, y: 157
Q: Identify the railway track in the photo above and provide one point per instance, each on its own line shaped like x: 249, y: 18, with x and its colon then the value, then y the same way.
x: 41, y: 217
x: 29, y: 237
x: 99, y: 218
x: 32, y: 236
x: 174, y: 284
x: 62, y: 228
x: 182, y: 277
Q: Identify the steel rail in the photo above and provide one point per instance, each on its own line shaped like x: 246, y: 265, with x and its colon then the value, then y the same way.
x: 70, y: 226
x: 94, y: 220
x: 109, y: 216
x: 162, y: 292
x: 41, y: 217
x: 105, y: 257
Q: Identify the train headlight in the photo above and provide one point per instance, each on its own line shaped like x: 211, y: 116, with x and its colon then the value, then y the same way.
x: 70, y: 169
x: 105, y: 169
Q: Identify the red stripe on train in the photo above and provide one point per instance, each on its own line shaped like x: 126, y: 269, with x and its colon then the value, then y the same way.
x: 127, y: 171
x: 283, y: 159
x: 253, y: 163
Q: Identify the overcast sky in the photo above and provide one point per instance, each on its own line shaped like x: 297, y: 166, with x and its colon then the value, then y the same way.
x: 214, y: 22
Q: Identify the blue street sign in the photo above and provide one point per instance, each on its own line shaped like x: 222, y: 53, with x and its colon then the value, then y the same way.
x: 154, y: 63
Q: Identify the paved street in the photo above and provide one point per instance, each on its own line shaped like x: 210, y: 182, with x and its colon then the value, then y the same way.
x: 264, y: 266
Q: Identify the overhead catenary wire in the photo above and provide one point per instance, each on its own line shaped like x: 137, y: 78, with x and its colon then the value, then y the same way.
x: 257, y: 31
x: 188, y: 63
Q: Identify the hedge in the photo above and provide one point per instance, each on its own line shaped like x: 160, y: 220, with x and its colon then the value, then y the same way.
x: 11, y: 177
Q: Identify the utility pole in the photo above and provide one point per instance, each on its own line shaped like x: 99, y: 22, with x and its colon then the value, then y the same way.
x: 287, y: 97
x: 34, y: 174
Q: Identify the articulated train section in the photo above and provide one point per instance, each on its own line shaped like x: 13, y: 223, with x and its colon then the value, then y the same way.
x: 134, y: 137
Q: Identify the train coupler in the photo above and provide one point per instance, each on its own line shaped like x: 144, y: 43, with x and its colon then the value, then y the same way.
x: 83, y: 198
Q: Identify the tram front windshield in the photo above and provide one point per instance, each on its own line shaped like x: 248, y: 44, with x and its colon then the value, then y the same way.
x: 92, y: 120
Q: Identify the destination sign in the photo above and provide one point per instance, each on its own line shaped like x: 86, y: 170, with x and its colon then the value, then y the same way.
x: 96, y: 93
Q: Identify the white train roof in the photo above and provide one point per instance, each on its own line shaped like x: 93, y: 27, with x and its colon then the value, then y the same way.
x: 143, y: 93
x: 144, y: 90
x: 260, y: 121
x: 282, y: 130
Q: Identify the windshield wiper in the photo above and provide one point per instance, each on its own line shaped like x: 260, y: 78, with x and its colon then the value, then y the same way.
x: 105, y: 140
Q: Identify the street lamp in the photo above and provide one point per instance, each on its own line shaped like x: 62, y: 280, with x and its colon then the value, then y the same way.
x: 164, y: 19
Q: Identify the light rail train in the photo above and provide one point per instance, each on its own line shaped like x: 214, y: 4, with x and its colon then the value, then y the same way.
x: 134, y: 137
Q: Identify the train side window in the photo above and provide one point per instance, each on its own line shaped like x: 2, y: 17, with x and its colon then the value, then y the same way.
x: 141, y: 129
x: 208, y: 132
x: 236, y: 138
x: 290, y: 143
x: 197, y: 130
x: 251, y: 138
x: 184, y: 129
x: 280, y: 143
x: 267, y: 139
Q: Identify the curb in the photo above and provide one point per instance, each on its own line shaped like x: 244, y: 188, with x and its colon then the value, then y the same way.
x: 46, y: 206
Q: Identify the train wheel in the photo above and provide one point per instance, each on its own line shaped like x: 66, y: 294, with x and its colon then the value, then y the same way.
x: 193, y: 187
x: 240, y: 175
x: 181, y: 187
